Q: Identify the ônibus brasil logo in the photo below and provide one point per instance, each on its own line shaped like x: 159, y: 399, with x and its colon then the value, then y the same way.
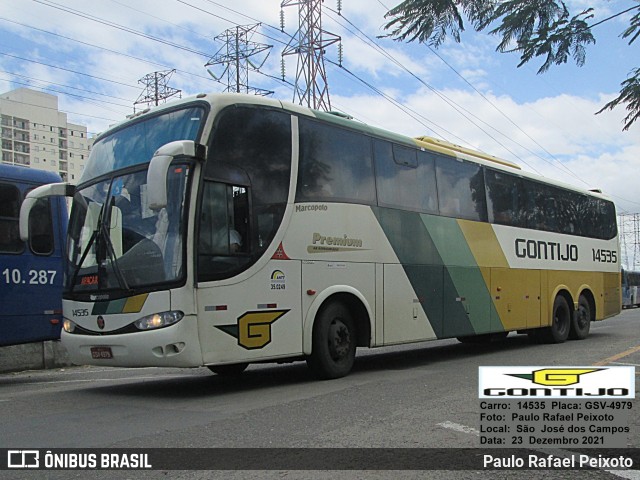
x: 556, y: 382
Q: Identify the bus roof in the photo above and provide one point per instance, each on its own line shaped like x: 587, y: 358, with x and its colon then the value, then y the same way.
x: 25, y: 174
x: 423, y: 142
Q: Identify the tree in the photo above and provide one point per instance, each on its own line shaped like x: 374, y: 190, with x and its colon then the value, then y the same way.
x: 533, y: 28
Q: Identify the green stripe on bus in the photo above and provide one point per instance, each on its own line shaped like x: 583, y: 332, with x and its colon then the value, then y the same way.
x: 468, y: 286
x: 435, y: 285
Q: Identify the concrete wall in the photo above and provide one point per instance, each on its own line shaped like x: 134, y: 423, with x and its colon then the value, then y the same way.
x: 33, y: 356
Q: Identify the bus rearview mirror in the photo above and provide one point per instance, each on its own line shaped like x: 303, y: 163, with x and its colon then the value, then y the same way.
x: 43, y: 191
x: 159, y: 166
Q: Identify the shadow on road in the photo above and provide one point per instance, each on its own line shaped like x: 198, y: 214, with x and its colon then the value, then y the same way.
x: 192, y: 383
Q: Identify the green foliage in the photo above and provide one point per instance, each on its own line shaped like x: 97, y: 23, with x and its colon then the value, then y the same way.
x: 538, y: 28
x: 533, y: 28
x: 634, y: 28
x: 629, y: 94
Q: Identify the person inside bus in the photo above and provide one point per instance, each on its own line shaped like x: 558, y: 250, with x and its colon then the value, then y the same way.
x: 218, y: 236
x: 221, y: 241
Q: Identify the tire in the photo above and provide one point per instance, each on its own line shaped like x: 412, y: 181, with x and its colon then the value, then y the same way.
x: 232, y: 370
x: 581, y: 321
x: 558, y: 332
x: 333, y: 348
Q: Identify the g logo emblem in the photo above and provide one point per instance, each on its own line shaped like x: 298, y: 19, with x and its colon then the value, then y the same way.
x: 253, y: 329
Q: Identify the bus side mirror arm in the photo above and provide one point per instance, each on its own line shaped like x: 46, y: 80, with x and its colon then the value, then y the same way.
x: 159, y: 167
x: 43, y: 191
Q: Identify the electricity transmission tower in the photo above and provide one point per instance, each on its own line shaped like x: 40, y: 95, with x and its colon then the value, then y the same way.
x: 309, y: 43
x: 629, y: 233
x: 235, y: 55
x: 157, y: 88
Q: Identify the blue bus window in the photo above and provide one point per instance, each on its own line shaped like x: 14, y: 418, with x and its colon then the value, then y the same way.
x: 9, y: 217
x: 41, y: 228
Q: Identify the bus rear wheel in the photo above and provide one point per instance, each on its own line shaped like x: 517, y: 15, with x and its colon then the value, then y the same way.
x: 581, y: 321
x: 333, y: 348
x: 558, y: 332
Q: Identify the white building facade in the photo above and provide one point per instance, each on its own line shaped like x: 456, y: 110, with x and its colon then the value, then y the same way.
x: 36, y: 134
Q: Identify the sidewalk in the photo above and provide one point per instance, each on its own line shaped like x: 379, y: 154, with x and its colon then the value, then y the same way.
x: 33, y: 356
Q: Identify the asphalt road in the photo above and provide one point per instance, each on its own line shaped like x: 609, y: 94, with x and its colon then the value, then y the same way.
x: 415, y: 396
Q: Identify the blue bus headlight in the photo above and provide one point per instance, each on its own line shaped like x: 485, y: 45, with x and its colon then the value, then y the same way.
x: 158, y: 320
x: 68, y: 325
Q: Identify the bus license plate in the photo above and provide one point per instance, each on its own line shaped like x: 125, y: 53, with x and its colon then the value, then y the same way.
x: 101, y: 353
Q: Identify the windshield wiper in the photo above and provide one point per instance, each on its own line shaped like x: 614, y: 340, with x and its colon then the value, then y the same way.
x: 104, y: 235
x: 74, y: 278
x: 101, y: 233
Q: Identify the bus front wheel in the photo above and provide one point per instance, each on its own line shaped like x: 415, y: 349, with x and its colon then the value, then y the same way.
x: 558, y: 332
x: 333, y: 348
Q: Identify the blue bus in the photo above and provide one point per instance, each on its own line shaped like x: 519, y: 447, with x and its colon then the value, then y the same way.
x: 630, y: 288
x: 31, y: 271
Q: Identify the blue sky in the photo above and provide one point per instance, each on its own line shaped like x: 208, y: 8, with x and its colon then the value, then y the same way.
x: 545, y: 123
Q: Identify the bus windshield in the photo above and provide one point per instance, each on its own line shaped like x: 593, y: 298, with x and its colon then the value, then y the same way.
x: 136, y: 143
x: 116, y: 242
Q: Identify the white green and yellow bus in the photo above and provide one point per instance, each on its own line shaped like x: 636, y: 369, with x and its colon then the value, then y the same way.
x: 223, y: 230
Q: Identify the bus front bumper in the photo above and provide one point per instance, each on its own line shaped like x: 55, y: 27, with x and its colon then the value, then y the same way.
x: 173, y: 346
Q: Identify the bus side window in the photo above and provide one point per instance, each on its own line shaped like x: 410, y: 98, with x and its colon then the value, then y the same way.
x: 404, y: 178
x: 224, y: 219
x: 505, y: 202
x: 9, y: 218
x: 225, y: 241
x: 336, y: 165
x: 41, y: 228
x: 460, y: 189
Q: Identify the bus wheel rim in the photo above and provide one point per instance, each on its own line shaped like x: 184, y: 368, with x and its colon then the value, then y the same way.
x: 339, y: 340
x: 582, y: 317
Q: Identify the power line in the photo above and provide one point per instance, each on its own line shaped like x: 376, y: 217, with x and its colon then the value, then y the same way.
x: 458, y: 108
x: 47, y: 82
x: 58, y: 110
x: 408, y: 111
x: 51, y: 4
x: 551, y: 155
x: 89, y: 100
x: 133, y: 57
x: 68, y: 70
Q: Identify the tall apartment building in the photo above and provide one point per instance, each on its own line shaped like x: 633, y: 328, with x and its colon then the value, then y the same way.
x: 37, y: 135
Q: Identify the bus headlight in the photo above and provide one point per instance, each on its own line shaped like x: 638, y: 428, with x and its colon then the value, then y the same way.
x: 68, y: 326
x: 158, y: 320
